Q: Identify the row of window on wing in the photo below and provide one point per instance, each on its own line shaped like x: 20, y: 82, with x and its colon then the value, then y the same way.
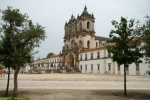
x: 98, y: 55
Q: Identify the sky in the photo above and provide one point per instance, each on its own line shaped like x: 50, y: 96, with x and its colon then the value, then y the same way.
x: 52, y: 14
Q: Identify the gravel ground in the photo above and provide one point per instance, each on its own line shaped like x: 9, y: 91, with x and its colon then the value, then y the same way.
x: 69, y: 94
x: 78, y: 87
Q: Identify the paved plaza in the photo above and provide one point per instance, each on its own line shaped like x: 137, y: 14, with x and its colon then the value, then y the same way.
x: 77, y: 81
x: 78, y: 86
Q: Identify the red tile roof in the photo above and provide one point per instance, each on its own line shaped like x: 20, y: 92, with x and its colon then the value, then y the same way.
x: 53, y: 56
x: 92, y: 49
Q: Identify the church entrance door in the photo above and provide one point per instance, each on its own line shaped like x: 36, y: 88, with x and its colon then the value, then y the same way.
x: 70, y: 60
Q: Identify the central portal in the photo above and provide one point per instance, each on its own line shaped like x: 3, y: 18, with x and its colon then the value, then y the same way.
x: 70, y: 60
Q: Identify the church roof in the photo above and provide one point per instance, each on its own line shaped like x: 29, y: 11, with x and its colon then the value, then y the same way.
x: 85, y: 11
x: 84, y: 14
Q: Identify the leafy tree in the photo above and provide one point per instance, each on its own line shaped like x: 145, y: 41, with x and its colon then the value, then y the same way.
x: 6, y: 50
x: 124, y: 45
x: 50, y: 54
x: 146, y: 34
x: 20, y: 36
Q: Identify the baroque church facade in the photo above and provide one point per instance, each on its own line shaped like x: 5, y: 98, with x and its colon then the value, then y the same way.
x: 85, y: 52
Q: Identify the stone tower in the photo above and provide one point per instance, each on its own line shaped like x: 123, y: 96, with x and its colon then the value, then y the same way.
x: 79, y: 35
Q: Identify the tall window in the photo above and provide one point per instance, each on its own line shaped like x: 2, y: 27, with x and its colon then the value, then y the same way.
x: 81, y: 67
x: 48, y: 65
x: 98, y: 54
x: 91, y: 66
x: 69, y: 31
x: 85, y: 56
x: 85, y: 67
x: 80, y: 43
x: 96, y: 44
x: 98, y: 67
x: 91, y: 55
x: 80, y: 57
x: 88, y: 44
x: 75, y: 27
x: 42, y: 64
x: 88, y: 25
x: 80, y: 26
x: 109, y: 66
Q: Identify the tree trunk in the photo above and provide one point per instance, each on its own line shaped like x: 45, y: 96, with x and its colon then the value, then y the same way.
x: 15, y: 92
x: 7, y: 88
x: 125, y: 92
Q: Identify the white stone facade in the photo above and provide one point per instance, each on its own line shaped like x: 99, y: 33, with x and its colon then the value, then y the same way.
x: 51, y: 63
x: 104, y: 64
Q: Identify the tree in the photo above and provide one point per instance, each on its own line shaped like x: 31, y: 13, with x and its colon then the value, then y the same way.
x: 50, y: 54
x: 146, y: 34
x: 6, y: 49
x: 23, y: 36
x: 124, y: 45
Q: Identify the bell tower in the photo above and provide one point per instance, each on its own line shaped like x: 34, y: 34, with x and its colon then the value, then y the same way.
x: 87, y: 20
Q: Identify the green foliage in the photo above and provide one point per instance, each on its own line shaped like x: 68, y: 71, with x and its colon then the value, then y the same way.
x: 146, y: 35
x: 19, y: 37
x: 123, y: 43
x: 50, y: 54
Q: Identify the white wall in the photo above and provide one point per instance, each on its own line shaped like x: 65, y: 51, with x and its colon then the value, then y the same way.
x: 132, y: 69
x: 143, y: 67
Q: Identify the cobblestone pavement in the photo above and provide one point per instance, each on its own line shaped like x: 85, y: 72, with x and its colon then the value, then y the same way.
x: 77, y: 81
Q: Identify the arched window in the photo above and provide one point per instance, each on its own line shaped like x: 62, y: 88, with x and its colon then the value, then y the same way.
x: 88, y: 44
x: 80, y: 26
x: 88, y: 25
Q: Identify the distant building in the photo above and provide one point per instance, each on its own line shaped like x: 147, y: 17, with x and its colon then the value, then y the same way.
x: 85, y: 52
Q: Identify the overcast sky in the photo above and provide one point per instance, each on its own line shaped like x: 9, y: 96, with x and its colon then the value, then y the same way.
x: 52, y: 14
